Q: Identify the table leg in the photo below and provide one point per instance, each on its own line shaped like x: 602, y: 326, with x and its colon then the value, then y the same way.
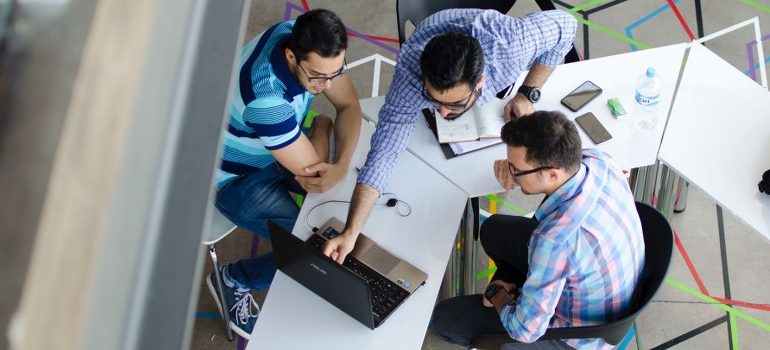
x: 725, y: 271
x: 459, y: 278
x: 642, y: 181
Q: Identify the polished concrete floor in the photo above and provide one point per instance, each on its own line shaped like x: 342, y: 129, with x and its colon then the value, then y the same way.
x: 675, y: 311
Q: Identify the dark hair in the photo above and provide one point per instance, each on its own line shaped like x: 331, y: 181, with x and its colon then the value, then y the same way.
x: 549, y: 137
x: 450, y: 59
x: 319, y: 31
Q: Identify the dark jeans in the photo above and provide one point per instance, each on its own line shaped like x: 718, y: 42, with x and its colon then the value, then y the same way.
x: 459, y: 320
x: 249, y: 201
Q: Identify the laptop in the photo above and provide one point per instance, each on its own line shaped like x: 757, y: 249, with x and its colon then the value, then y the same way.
x: 369, y: 286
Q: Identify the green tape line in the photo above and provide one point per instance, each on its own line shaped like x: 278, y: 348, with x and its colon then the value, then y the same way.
x: 586, y: 5
x: 484, y: 274
x: 611, y: 33
x: 756, y: 5
x: 516, y: 209
x: 309, y: 118
x: 679, y: 285
x: 604, y: 30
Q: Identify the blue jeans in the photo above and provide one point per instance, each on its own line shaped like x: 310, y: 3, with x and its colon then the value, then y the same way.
x: 249, y: 201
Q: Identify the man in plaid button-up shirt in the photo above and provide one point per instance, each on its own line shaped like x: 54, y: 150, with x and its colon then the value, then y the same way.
x: 454, y: 59
x: 576, y: 263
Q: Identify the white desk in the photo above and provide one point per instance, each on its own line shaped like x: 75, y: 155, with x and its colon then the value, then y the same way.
x: 718, y: 137
x: 616, y: 75
x: 295, y: 318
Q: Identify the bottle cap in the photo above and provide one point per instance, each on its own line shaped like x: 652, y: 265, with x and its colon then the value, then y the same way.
x: 650, y: 72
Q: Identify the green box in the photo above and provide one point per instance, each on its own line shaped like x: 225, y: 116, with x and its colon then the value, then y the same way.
x: 616, y: 108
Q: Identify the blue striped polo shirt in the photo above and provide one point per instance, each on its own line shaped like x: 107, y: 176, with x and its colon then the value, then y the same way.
x: 267, y: 107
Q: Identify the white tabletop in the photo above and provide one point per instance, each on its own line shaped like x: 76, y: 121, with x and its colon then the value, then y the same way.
x: 718, y: 137
x: 295, y: 318
x: 616, y: 75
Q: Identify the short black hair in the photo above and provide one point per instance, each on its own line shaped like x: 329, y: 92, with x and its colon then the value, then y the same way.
x: 549, y: 137
x: 450, y: 59
x: 319, y: 31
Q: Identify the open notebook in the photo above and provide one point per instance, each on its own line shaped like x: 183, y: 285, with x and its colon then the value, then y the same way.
x: 486, y: 120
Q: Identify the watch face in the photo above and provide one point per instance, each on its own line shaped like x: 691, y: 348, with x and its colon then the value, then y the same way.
x: 534, y: 95
x: 491, y: 291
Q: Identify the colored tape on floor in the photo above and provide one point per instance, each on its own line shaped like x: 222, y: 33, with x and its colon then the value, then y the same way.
x: 679, y: 285
x: 646, y: 18
x: 681, y: 19
x: 516, y: 209
x: 585, y: 6
x: 756, y: 5
x: 486, y: 273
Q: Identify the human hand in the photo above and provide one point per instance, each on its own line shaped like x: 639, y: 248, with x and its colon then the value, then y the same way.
x: 503, y: 175
x: 339, y: 247
x: 518, y: 106
x: 508, y: 287
x: 328, y: 176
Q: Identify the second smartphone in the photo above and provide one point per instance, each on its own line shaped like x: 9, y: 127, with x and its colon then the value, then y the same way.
x: 580, y: 97
x: 593, y: 128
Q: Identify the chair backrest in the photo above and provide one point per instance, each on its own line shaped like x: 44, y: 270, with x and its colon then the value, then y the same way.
x: 658, y: 249
x: 218, y: 227
x: 417, y: 10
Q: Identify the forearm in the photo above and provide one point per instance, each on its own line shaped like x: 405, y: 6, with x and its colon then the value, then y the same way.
x: 346, y: 131
x: 364, y: 197
x: 319, y: 136
x: 538, y: 75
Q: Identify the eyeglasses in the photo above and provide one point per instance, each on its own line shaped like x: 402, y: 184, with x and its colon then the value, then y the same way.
x: 515, y: 173
x: 320, y: 81
x: 458, y: 108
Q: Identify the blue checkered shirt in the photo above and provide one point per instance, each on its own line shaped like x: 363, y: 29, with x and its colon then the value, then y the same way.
x: 510, y: 47
x: 585, y: 256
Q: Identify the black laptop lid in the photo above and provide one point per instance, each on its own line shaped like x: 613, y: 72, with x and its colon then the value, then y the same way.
x: 324, y: 277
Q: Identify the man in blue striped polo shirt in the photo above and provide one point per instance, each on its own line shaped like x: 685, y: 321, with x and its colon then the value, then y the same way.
x: 455, y: 59
x: 266, y: 154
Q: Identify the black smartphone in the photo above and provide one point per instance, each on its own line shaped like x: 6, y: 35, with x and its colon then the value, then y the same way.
x: 580, y: 97
x: 593, y: 128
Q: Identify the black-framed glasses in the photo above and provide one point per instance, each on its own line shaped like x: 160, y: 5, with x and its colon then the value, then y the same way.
x: 320, y: 81
x: 457, y: 108
x: 516, y: 173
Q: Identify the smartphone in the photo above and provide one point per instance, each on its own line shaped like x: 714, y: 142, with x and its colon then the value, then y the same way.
x: 593, y: 128
x: 580, y: 97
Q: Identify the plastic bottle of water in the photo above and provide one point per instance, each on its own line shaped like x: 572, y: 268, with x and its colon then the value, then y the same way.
x: 648, y: 94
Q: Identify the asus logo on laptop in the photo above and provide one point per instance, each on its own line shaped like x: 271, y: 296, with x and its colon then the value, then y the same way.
x: 318, y: 268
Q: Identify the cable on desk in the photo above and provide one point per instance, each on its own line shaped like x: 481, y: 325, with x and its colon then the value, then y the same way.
x: 403, y: 208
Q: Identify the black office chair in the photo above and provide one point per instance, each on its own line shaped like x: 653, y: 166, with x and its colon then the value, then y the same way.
x: 417, y: 10
x: 659, y: 245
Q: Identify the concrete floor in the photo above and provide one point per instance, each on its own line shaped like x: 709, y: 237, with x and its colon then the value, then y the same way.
x: 673, y: 312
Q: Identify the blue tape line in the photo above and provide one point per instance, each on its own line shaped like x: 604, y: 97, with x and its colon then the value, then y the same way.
x: 214, y: 315
x: 627, y: 339
x: 756, y: 67
x: 646, y: 18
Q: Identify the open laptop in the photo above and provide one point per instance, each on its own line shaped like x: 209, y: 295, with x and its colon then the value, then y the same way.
x: 369, y: 286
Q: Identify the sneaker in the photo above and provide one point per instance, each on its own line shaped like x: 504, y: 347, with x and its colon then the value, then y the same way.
x: 241, y: 306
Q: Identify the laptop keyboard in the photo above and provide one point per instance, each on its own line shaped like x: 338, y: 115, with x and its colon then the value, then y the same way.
x: 385, y: 295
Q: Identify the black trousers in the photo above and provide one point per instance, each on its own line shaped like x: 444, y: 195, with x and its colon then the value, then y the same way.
x: 505, y: 239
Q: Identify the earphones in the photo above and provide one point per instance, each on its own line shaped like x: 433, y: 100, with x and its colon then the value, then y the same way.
x: 764, y: 184
x: 403, y: 208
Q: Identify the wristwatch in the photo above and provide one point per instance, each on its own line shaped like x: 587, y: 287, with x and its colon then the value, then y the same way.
x: 530, y: 92
x: 492, y: 290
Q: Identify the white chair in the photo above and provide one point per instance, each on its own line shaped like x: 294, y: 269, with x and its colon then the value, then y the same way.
x: 219, y: 227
